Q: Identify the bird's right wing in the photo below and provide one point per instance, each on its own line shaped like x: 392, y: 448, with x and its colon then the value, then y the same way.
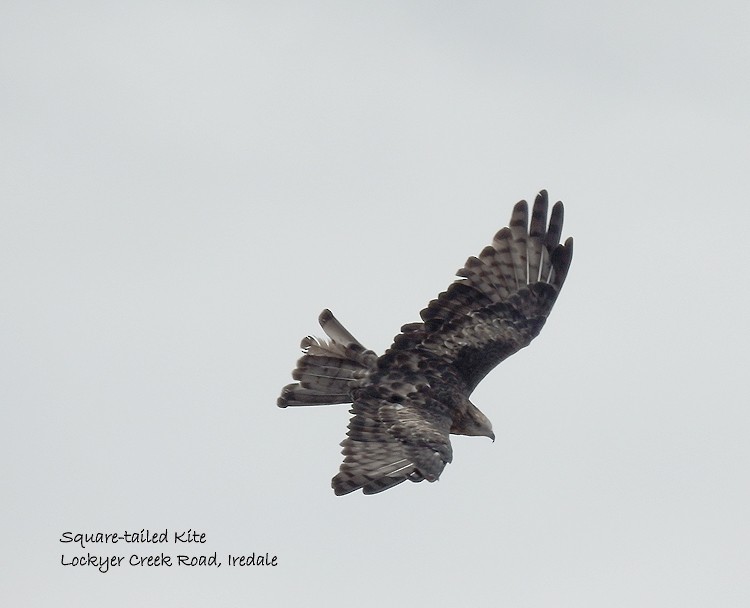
x: 501, y: 299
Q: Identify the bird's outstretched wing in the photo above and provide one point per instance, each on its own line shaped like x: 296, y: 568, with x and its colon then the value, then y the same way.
x: 398, y: 432
x: 501, y: 299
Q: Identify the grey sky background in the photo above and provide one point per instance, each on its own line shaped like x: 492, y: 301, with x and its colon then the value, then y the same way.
x: 185, y: 186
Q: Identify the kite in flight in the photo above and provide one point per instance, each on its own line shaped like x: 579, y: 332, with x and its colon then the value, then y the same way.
x: 408, y: 401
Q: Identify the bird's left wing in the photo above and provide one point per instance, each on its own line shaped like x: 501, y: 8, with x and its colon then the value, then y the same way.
x: 398, y: 431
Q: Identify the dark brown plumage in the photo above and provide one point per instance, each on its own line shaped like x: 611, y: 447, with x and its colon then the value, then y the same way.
x: 407, y: 402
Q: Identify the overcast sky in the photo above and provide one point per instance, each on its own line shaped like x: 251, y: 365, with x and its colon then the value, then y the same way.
x: 184, y: 187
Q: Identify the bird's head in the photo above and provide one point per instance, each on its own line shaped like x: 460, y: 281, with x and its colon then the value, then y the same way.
x: 474, y: 423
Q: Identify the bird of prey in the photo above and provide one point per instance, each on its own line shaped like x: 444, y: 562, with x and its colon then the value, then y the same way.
x: 407, y: 402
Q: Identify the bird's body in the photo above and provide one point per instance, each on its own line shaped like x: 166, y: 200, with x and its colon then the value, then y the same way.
x: 408, y: 401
